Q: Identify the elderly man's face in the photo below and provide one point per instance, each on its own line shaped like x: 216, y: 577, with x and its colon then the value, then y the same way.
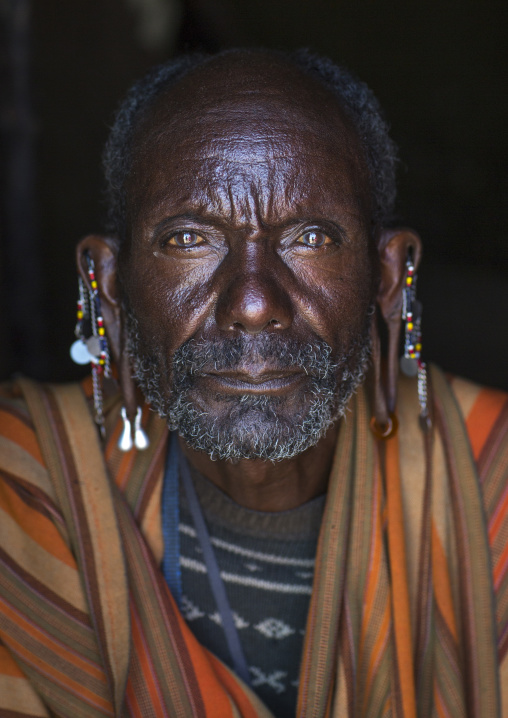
x: 247, y: 272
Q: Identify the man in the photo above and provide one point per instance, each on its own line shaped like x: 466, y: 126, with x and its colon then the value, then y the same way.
x: 286, y: 549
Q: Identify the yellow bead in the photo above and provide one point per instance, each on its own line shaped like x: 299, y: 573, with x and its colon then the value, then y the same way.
x: 93, y: 284
x: 410, y: 326
x: 409, y: 281
x: 101, y: 331
x: 418, y: 347
x: 80, y: 315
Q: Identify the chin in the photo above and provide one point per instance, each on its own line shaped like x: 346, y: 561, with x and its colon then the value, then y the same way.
x: 253, y: 427
x: 264, y: 427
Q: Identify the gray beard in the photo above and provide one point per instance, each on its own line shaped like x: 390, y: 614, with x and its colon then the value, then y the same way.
x: 250, y: 427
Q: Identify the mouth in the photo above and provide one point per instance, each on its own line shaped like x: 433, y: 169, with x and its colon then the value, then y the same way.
x: 271, y: 382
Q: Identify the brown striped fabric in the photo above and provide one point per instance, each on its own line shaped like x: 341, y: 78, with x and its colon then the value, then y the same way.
x: 409, y: 611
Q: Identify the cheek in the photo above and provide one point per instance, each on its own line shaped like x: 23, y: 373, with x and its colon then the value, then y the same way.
x: 170, y: 299
x: 335, y: 295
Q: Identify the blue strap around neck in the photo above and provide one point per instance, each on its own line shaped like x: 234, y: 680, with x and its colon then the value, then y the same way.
x: 214, y: 577
x: 176, y: 464
x: 171, y: 520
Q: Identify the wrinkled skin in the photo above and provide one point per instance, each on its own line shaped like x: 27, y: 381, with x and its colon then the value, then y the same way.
x: 244, y: 159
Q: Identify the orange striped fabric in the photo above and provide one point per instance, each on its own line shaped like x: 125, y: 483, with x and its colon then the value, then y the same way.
x: 409, y: 611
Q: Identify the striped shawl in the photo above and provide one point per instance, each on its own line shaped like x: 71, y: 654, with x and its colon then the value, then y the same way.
x: 409, y: 611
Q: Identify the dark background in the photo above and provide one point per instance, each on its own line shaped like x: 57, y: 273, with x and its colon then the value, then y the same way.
x: 439, y: 69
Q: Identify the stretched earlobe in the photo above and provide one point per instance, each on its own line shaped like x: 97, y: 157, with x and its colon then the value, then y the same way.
x: 394, y: 245
x: 103, y: 251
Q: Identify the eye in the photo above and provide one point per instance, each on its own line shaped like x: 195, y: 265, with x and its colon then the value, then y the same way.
x: 314, y: 239
x: 185, y: 239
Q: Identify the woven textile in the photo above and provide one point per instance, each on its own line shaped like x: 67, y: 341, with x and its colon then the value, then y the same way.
x: 409, y: 610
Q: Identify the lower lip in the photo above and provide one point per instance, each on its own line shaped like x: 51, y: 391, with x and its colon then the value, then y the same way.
x: 272, y: 387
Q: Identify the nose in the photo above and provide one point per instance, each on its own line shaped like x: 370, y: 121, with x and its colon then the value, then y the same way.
x: 254, y: 302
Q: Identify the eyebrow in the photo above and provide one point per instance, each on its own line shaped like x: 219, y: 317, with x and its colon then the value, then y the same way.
x: 204, y: 220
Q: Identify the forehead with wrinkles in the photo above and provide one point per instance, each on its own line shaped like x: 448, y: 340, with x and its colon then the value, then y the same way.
x: 247, y: 135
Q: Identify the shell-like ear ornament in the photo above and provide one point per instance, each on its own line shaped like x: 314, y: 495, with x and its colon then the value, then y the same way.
x: 125, y: 442
x: 141, y: 440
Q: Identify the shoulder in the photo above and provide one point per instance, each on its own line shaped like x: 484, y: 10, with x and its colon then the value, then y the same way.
x: 485, y: 413
x: 25, y: 406
x: 21, y: 461
x: 479, y: 415
x: 32, y: 527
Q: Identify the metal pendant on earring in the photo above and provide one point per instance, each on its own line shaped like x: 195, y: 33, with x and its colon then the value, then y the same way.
x: 126, y: 442
x: 79, y: 350
x: 424, y: 418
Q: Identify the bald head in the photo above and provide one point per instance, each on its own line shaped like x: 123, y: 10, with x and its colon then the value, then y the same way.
x: 249, y: 92
x: 251, y: 137
x: 252, y: 100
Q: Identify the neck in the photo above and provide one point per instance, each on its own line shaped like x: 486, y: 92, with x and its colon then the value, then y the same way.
x: 267, y: 486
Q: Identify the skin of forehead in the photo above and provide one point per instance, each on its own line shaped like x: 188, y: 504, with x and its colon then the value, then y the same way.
x: 251, y: 138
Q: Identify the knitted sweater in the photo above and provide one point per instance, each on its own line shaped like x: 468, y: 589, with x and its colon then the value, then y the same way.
x: 267, y: 565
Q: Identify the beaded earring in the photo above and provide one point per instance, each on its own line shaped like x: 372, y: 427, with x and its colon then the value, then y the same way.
x: 411, y: 363
x: 91, y: 345
x: 411, y: 315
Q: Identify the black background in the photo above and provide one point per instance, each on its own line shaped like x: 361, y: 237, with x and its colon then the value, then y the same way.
x: 439, y: 70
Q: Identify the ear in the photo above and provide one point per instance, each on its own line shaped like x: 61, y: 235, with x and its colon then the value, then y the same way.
x: 393, y: 248
x: 104, y: 252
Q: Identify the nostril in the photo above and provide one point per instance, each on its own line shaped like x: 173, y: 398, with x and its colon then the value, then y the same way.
x: 271, y: 323
x: 253, y: 304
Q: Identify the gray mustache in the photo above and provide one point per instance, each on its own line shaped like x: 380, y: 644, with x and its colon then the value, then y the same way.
x: 196, y: 356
